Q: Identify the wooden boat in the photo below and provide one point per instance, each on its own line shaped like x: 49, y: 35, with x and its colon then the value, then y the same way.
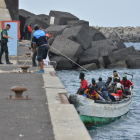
x: 97, y: 112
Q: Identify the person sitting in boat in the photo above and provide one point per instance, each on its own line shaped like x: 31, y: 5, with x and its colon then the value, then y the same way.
x: 118, y: 95
x: 106, y: 95
x: 81, y: 92
x: 115, y: 75
x: 93, y: 84
x: 108, y: 83
x: 100, y: 84
x: 91, y: 93
x: 126, y: 83
x: 84, y: 84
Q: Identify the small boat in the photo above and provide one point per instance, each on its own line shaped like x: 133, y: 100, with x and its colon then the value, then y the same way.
x: 97, y: 112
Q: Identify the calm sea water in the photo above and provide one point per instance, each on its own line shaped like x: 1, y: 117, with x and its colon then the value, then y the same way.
x: 125, y: 128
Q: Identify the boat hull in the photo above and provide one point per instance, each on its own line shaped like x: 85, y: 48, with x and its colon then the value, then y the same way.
x: 91, y: 120
x: 97, y: 112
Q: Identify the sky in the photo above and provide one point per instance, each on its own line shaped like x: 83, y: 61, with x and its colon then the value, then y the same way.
x: 106, y: 13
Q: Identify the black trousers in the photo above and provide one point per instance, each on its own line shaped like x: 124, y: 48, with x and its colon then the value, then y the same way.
x: 4, y: 48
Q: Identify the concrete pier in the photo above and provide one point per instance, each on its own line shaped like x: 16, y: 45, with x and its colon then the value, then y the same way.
x: 44, y: 117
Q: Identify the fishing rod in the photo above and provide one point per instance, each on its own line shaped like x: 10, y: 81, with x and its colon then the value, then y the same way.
x: 70, y: 59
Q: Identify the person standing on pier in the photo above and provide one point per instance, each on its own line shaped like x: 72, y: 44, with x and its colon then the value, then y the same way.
x: 4, y: 41
x: 39, y: 40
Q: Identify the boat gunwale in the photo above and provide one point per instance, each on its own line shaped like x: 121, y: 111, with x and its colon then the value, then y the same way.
x: 117, y: 102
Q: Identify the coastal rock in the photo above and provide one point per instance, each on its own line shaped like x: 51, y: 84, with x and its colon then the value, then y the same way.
x: 78, y: 34
x: 90, y: 55
x: 62, y: 63
x: 120, y: 64
x: 67, y: 47
x: 91, y: 66
x: 56, y: 29
x: 106, y: 48
x: 127, y: 34
x: 23, y: 15
x: 123, y: 54
x: 33, y: 21
x: 61, y: 18
x: 50, y: 40
x: 120, y: 44
x: 133, y: 61
x: 43, y: 16
x: 96, y: 34
x: 74, y: 23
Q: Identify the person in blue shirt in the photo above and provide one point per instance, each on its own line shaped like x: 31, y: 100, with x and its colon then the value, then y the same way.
x: 39, y: 40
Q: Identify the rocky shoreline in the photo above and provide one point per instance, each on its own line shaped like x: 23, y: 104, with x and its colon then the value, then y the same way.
x: 83, y: 44
x: 127, y: 34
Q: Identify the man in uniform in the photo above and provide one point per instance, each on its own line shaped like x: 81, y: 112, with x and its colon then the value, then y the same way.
x: 4, y: 47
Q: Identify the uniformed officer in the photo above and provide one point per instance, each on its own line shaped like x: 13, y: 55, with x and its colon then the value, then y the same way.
x: 4, y: 47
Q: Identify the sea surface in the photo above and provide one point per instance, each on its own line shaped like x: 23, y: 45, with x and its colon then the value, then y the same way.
x: 125, y: 128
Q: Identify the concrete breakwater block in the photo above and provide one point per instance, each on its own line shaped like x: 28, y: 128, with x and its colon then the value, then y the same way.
x: 74, y: 23
x: 120, y: 64
x: 43, y: 17
x: 23, y: 15
x: 91, y: 66
x: 62, y: 63
x: 61, y: 18
x: 33, y: 21
x: 67, y: 47
x: 96, y: 34
x: 106, y: 48
x: 56, y: 29
x: 78, y: 34
x: 88, y: 56
x: 123, y: 53
x: 120, y: 44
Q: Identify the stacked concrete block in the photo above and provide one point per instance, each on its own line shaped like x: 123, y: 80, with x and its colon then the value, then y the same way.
x: 96, y: 34
x: 23, y: 15
x: 56, y: 29
x: 66, y: 47
x: 120, y: 44
x: 74, y: 23
x: 33, y: 21
x: 61, y: 18
x: 133, y: 60
x: 118, y: 65
x: 106, y: 48
x: 62, y: 63
x: 43, y: 16
x: 78, y: 34
x: 90, y: 55
x: 123, y: 54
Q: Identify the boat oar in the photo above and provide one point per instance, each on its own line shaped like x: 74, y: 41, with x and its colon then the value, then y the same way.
x: 129, y: 74
x: 69, y: 59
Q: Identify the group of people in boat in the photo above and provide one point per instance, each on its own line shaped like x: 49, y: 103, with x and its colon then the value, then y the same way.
x: 114, y: 89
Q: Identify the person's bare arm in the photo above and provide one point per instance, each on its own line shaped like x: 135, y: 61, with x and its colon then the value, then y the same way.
x: 34, y: 45
x: 5, y: 36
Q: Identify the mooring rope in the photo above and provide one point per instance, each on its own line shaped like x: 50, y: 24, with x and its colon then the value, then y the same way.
x: 69, y: 59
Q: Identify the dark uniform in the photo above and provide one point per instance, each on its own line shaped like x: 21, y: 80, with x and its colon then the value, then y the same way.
x: 4, y: 47
x: 34, y: 54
